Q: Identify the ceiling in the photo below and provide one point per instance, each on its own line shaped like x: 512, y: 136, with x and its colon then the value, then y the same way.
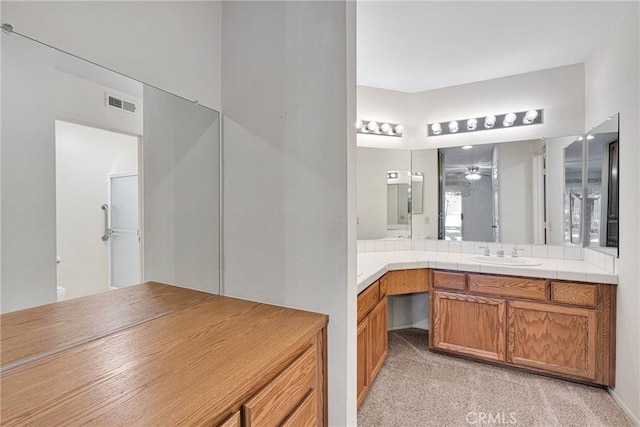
x: 457, y: 159
x: 413, y: 46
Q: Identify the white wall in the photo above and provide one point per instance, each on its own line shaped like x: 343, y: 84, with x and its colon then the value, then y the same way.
x: 83, y: 101
x: 555, y: 188
x: 560, y: 91
x: 285, y: 96
x: 373, y: 165
x: 515, y: 169
x: 181, y: 192
x: 85, y: 157
x: 612, y: 85
x: 173, y: 45
x: 28, y: 176
x: 425, y: 225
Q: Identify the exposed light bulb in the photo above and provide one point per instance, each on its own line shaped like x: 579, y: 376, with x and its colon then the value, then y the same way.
x: 530, y: 117
x: 436, y: 128
x: 453, y: 126
x: 359, y: 124
x: 472, y: 124
x: 467, y: 147
x: 489, y: 121
x: 385, y: 128
x: 372, y: 126
x: 399, y: 129
x: 509, y: 119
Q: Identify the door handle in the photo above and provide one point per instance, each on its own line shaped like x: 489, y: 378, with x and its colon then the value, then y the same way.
x: 107, y: 232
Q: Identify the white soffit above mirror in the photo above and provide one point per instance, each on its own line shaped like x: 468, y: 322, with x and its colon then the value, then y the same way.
x: 440, y: 44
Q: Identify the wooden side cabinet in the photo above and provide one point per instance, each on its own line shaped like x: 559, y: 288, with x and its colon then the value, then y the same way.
x: 468, y: 324
x: 364, y: 357
x: 372, y: 336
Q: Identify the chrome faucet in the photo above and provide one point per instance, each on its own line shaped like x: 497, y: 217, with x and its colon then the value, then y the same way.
x: 514, y: 251
x: 500, y: 253
x: 486, y: 250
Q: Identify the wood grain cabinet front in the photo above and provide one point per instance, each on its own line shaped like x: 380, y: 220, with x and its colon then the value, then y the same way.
x: 231, y: 363
x: 553, y: 338
x: 279, y: 398
x: 364, y: 358
x: 559, y: 328
x: 469, y: 324
x: 372, y: 338
x: 400, y: 282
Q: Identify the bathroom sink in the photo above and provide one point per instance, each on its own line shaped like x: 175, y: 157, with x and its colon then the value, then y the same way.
x: 515, y: 262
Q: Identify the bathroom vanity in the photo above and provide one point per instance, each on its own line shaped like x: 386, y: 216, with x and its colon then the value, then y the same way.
x: 556, y: 327
x: 556, y: 319
x: 156, y: 354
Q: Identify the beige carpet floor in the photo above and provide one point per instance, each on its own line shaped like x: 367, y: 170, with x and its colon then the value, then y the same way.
x: 418, y: 388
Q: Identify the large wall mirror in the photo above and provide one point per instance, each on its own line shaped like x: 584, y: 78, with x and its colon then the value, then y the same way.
x: 106, y: 181
x: 601, y: 208
x: 555, y: 191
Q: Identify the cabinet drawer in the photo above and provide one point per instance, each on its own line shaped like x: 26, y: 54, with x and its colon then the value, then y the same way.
x: 272, y: 404
x: 506, y: 286
x: 574, y: 293
x: 447, y: 280
x: 368, y: 299
x: 402, y: 282
x: 232, y: 421
x: 306, y: 414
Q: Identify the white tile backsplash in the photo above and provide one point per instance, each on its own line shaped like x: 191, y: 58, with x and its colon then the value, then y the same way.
x: 442, y: 246
x: 420, y: 245
x: 455, y: 247
x: 370, y: 245
x: 431, y: 245
x: 555, y: 252
x: 467, y: 247
x: 539, y: 251
x: 571, y: 252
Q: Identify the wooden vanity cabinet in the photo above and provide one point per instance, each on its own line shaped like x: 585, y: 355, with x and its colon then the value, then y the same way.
x: 553, y: 338
x: 560, y: 328
x: 469, y: 324
x: 372, y: 342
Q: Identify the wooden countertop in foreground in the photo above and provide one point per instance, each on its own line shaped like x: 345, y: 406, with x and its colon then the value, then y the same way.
x: 195, y: 362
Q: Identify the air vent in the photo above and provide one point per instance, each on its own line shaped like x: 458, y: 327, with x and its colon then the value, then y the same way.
x: 120, y: 104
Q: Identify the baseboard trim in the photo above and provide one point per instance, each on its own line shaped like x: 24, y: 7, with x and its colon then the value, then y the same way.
x: 624, y: 407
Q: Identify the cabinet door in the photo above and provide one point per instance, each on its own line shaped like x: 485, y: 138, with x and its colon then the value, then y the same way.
x: 554, y: 338
x: 364, y: 361
x: 378, y: 341
x: 468, y: 324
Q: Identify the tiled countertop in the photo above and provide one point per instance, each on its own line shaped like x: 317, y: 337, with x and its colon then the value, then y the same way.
x: 372, y: 265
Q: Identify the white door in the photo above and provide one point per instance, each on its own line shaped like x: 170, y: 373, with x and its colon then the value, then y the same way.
x: 124, y: 234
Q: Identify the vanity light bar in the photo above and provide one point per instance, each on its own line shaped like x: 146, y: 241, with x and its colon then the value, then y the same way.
x: 475, y: 124
x: 373, y: 127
